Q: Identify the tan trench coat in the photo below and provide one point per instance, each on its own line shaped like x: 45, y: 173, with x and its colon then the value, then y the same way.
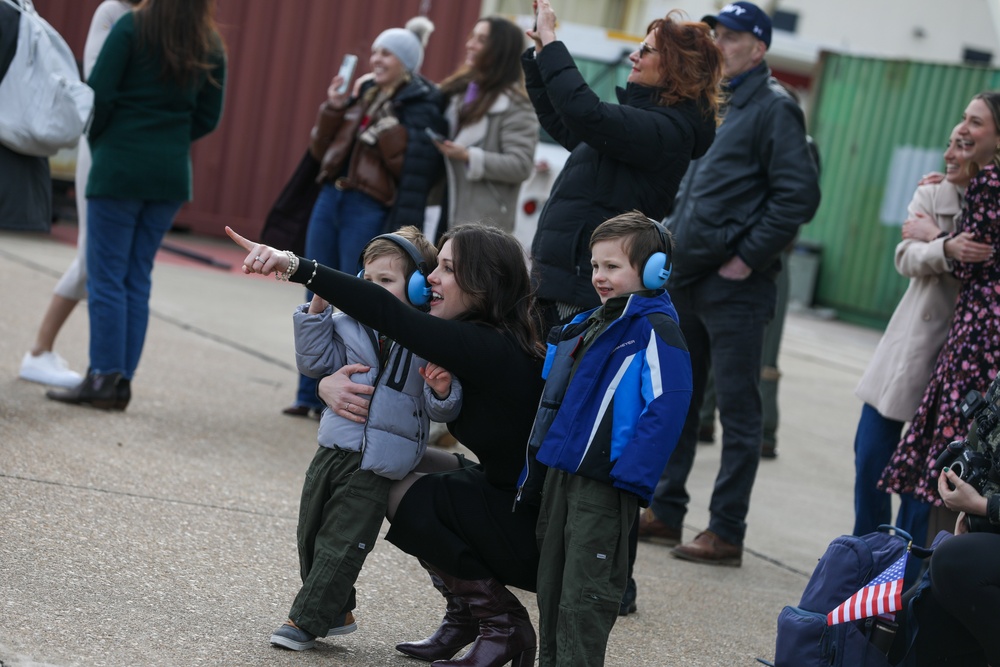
x: 901, y: 367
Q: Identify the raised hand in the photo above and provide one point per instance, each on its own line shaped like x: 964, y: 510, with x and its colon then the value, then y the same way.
x: 262, y: 259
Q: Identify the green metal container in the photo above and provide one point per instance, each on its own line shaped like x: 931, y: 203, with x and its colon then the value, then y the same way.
x: 879, y: 125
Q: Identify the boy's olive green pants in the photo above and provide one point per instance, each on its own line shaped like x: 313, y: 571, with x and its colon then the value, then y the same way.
x: 583, y: 529
x: 340, y: 516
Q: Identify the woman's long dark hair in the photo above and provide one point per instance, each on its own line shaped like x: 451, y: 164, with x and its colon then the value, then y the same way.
x: 497, y: 70
x: 182, y: 34
x: 490, y: 268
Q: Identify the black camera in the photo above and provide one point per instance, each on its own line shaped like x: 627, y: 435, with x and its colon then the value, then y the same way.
x: 971, y: 466
x: 974, y: 458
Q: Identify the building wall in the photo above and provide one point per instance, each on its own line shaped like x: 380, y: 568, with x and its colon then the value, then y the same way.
x: 282, y: 56
x: 926, y: 31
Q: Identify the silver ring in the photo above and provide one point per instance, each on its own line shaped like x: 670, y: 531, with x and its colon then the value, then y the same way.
x: 349, y: 406
x: 258, y: 259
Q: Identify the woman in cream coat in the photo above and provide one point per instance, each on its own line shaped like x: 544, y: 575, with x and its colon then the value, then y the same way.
x: 895, y: 379
x: 493, y: 128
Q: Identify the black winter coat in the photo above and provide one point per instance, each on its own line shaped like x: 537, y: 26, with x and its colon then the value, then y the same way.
x: 417, y: 106
x: 752, y: 191
x: 626, y: 156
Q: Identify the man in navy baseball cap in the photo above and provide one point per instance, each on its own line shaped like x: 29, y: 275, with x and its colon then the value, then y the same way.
x: 737, y: 209
x: 743, y: 17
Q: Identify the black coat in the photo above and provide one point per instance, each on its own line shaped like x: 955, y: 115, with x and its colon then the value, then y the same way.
x: 417, y: 106
x: 752, y: 191
x: 626, y: 156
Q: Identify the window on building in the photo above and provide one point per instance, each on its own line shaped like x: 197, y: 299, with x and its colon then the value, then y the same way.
x: 785, y: 20
x: 976, y: 57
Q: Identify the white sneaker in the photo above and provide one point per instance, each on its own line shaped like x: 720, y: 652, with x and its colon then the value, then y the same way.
x: 49, y: 368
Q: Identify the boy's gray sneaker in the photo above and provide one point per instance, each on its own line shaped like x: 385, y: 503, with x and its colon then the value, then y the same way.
x: 297, y: 639
x: 290, y: 637
x: 345, y: 625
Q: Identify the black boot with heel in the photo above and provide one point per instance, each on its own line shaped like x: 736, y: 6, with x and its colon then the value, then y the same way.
x: 505, y: 631
x: 458, y: 628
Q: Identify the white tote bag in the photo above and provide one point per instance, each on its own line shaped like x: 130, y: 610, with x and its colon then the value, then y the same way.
x: 43, y: 104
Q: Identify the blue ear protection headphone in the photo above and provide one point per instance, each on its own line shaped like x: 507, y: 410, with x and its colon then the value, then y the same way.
x: 657, y: 268
x: 418, y: 290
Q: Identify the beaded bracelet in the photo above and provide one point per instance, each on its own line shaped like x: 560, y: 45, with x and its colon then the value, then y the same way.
x: 293, y: 265
x: 315, y: 269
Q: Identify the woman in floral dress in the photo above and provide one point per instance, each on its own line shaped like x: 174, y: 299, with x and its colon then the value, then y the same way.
x: 970, y: 356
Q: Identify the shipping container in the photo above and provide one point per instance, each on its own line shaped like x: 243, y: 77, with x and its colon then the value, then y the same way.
x: 282, y: 56
x: 880, y: 125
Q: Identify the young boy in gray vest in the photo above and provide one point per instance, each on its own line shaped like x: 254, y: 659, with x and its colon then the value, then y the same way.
x: 346, y: 489
x: 617, y: 388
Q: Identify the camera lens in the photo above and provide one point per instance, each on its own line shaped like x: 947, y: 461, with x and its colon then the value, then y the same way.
x: 959, y: 469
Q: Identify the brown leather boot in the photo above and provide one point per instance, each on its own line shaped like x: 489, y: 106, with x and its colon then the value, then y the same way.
x: 458, y: 628
x: 505, y: 632
x: 105, y: 391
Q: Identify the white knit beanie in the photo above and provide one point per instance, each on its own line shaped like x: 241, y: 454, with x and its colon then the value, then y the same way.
x: 407, y: 43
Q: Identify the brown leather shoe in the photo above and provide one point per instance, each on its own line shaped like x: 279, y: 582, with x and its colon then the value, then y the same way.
x: 710, y: 549
x: 653, y: 530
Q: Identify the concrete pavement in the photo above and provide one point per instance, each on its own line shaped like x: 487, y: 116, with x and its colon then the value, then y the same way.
x: 165, y: 535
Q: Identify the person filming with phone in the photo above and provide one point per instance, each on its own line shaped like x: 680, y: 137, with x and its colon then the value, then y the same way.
x: 377, y: 164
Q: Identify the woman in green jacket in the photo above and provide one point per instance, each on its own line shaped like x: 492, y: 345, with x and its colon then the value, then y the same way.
x: 158, y: 86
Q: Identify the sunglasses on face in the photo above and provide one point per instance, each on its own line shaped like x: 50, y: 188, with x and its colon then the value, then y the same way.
x: 645, y: 49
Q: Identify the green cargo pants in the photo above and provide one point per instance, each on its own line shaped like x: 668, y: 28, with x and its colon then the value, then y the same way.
x: 340, y: 517
x: 583, y: 529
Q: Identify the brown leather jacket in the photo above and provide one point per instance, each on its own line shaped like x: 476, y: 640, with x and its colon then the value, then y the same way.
x: 371, y: 169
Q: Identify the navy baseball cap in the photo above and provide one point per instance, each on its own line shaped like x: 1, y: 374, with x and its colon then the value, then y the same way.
x: 743, y: 17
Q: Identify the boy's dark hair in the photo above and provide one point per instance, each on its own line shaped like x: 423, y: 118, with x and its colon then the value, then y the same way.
x: 640, y: 235
x: 380, y: 247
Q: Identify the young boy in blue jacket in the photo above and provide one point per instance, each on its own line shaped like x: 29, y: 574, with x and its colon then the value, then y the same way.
x: 618, y: 384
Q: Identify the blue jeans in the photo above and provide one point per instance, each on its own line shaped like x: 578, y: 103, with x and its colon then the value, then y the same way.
x: 723, y: 323
x: 123, y: 236
x: 341, y: 225
x: 874, y: 443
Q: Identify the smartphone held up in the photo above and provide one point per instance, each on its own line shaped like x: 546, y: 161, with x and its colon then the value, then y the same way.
x: 346, y: 72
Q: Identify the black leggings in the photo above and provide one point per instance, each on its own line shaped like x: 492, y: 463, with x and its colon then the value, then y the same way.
x: 965, y: 576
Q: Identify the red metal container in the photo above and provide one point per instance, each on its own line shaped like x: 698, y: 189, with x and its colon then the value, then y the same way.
x: 282, y: 56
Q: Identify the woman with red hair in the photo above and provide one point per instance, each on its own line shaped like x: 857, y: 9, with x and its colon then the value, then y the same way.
x: 624, y: 157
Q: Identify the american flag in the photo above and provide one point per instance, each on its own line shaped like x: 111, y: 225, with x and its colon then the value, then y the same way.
x: 883, y: 595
